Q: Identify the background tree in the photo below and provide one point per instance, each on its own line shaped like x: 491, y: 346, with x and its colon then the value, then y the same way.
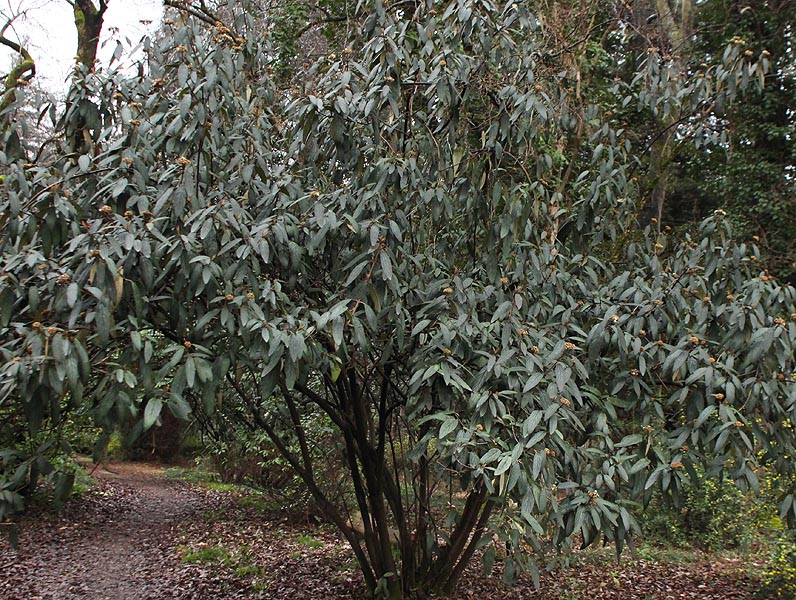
x: 760, y: 141
x: 432, y: 250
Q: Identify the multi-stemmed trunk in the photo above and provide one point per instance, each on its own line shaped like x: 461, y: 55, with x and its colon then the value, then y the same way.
x: 388, y: 521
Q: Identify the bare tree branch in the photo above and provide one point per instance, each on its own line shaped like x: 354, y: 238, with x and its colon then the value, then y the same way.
x: 20, y: 74
x: 202, y: 12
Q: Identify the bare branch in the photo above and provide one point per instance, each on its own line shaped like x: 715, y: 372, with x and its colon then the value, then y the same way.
x: 201, y: 13
x: 20, y: 74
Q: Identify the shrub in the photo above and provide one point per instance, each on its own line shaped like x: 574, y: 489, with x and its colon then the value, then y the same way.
x: 715, y: 515
x: 779, y: 576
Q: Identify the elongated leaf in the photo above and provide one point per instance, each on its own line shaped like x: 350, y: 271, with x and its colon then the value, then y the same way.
x: 152, y: 412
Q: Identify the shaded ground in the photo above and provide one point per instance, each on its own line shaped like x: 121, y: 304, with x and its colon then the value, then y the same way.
x: 139, y: 535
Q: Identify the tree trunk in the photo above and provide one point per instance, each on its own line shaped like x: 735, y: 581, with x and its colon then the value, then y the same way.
x: 88, y: 21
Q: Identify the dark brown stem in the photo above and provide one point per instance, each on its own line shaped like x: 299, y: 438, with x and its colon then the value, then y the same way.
x: 480, y: 528
x: 458, y: 541
x: 326, y: 506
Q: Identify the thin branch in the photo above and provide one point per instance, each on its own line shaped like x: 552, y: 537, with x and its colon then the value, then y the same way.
x: 585, y: 38
x: 322, y: 402
x: 200, y: 13
x: 314, y: 24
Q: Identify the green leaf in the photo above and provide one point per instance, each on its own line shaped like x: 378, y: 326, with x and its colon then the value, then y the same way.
x: 179, y: 407
x: 386, y: 266
x: 704, y: 416
x: 297, y: 347
x: 449, y: 424
x: 630, y: 440
x: 71, y: 294
x: 421, y: 325
x: 190, y: 371
x: 203, y: 369
x: 119, y: 187
x: 503, y: 465
x: 152, y: 412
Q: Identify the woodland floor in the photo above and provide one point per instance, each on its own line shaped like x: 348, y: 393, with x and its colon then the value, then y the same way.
x: 140, y: 535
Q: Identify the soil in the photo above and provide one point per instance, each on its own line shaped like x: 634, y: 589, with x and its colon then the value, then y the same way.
x: 138, y: 535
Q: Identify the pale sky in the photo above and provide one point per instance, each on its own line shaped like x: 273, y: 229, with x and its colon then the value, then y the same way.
x: 48, y: 27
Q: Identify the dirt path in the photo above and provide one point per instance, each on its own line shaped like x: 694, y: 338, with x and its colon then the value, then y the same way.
x: 128, y: 539
x: 111, y: 546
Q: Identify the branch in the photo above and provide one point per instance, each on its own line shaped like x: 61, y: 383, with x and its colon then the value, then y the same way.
x: 585, y: 38
x: 200, y: 13
x: 480, y: 529
x: 324, y: 404
x: 299, y: 430
x: 19, y: 75
x: 318, y: 23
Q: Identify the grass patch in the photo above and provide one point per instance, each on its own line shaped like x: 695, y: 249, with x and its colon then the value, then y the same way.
x: 217, y: 486
x: 671, y: 554
x: 207, y: 554
x: 309, y: 541
x: 249, y: 497
x: 215, y: 514
x: 259, y: 502
x: 239, y: 561
x: 199, y: 476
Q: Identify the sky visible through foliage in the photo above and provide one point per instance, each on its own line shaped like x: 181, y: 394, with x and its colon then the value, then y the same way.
x: 47, y: 27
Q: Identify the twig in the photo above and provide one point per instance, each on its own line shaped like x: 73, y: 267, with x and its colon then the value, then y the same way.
x: 200, y: 13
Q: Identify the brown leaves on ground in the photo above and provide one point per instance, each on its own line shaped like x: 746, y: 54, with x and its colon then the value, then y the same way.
x: 138, y: 535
